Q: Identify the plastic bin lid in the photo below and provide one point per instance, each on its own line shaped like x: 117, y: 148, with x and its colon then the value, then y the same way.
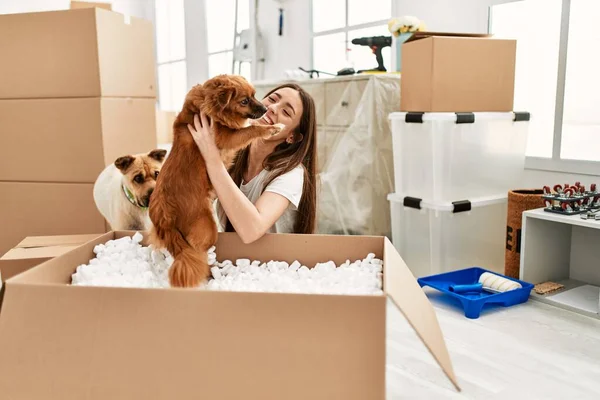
x: 449, y: 206
x: 451, y: 116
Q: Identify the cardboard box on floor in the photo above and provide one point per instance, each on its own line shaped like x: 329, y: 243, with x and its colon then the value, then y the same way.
x: 33, y: 209
x: 88, y: 52
x: 456, y: 72
x: 34, y: 250
x: 72, y: 140
x: 177, y: 343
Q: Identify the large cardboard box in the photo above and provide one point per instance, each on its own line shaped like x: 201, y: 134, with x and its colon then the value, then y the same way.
x: 453, y: 72
x: 89, y: 52
x: 36, y: 209
x: 34, y: 250
x: 71, y: 140
x: 72, y: 342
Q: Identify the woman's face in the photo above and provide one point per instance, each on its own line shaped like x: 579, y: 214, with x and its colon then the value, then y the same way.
x: 284, y: 106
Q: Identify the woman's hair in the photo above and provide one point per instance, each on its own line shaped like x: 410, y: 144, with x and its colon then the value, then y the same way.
x: 288, y: 156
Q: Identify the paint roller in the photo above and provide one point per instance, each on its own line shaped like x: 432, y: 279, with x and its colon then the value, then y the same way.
x: 487, y: 282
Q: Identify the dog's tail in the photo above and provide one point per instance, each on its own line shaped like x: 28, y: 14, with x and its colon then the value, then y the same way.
x: 190, y: 267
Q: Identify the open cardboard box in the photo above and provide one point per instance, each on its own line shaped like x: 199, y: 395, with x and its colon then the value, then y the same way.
x: 71, y: 342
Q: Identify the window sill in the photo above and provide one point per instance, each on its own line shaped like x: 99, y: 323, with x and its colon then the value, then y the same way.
x: 563, y: 166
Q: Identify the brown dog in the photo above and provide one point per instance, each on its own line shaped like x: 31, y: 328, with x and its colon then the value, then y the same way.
x: 123, y: 189
x: 181, y: 208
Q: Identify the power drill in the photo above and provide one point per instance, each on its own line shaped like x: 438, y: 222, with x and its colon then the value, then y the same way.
x: 376, y: 43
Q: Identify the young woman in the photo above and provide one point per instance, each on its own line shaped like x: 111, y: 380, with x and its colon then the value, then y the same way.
x: 271, y: 186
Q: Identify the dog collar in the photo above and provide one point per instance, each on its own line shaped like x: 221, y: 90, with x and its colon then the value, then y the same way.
x: 131, y: 197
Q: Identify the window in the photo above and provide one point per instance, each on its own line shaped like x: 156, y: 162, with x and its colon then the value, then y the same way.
x: 555, y: 79
x: 170, y: 49
x: 223, y: 26
x: 336, y: 22
x: 581, y: 119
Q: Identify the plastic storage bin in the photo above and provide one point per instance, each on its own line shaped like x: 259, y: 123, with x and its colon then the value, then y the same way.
x: 449, y: 156
x: 435, y: 238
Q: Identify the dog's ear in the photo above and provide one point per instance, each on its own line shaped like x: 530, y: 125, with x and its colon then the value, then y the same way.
x: 226, y: 93
x: 123, y: 163
x: 158, y: 154
x: 221, y: 88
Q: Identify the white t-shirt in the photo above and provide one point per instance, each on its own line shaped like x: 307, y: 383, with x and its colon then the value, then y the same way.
x: 289, y: 185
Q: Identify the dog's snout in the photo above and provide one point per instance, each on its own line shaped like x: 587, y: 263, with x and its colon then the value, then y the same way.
x: 259, y: 109
x: 145, y: 200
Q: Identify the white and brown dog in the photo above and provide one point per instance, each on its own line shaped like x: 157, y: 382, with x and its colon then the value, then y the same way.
x: 122, y: 191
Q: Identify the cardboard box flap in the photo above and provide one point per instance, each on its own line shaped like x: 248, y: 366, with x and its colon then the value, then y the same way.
x: 46, y: 246
x: 58, y: 270
x: 36, y: 252
x: 406, y: 294
x: 423, y: 35
x: 55, y: 240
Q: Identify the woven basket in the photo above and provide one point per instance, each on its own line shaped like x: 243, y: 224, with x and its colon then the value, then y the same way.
x: 518, y: 202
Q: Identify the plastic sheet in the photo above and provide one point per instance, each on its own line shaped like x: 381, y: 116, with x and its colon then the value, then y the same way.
x: 357, y: 172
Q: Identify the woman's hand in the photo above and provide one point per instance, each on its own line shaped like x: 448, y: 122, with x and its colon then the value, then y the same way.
x: 204, y: 136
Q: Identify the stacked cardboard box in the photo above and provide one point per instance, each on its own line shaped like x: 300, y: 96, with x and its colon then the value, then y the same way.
x: 457, y: 72
x: 77, y: 90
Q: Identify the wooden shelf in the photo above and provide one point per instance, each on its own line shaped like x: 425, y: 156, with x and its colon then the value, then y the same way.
x: 562, y: 219
x: 565, y: 250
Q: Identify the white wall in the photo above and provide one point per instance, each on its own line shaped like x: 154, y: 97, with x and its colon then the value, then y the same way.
x: 447, y: 16
x: 292, y: 49
x: 22, y: 6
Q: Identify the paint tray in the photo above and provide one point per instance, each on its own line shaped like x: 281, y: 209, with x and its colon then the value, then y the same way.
x: 473, y: 302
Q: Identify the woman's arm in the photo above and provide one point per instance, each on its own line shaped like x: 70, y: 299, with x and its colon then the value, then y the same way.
x: 250, y: 221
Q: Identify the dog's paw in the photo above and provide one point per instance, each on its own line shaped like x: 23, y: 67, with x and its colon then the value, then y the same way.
x: 275, y: 129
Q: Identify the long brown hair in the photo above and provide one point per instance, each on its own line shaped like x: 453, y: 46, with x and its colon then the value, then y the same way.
x: 288, y: 156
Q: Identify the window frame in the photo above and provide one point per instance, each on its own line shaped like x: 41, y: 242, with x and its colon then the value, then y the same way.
x: 345, y: 29
x: 161, y: 105
x: 556, y: 163
x: 235, y: 35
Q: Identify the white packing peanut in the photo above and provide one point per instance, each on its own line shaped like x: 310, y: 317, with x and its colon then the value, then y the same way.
x: 216, y: 272
x: 242, y: 262
x: 295, y: 265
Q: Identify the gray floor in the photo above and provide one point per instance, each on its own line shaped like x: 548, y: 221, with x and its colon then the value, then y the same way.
x: 532, y: 350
